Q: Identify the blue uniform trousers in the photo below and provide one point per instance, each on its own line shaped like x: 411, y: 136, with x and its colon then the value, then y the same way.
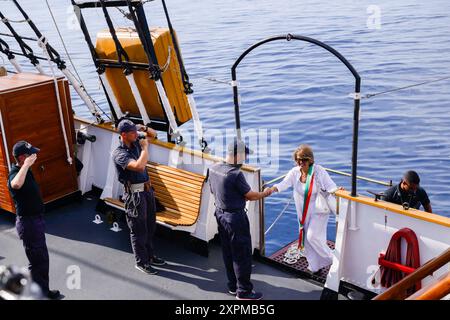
x: 234, y: 232
x: 142, y: 228
x: 31, y: 230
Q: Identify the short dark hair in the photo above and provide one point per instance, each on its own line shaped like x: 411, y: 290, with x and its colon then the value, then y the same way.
x: 412, y: 177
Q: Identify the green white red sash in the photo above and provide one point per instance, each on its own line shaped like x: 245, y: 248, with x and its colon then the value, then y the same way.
x: 306, y: 199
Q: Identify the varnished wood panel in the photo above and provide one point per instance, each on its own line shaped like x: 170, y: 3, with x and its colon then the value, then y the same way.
x: 30, y: 111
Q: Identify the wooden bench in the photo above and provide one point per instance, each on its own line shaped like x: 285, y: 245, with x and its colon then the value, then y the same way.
x: 179, y: 191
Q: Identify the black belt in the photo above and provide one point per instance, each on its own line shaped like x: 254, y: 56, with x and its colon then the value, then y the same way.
x: 232, y: 210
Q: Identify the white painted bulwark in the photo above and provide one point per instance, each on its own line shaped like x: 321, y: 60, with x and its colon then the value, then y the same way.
x: 99, y: 171
x: 364, y: 231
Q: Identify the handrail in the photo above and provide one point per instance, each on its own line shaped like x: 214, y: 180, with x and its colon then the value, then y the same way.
x: 398, y: 291
x: 434, y: 291
x: 356, y: 95
x: 342, y: 173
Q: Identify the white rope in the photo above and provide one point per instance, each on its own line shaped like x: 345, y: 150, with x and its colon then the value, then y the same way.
x: 166, y: 65
x: 16, y: 65
x: 39, y: 69
x: 111, y: 95
x: 168, y: 109
x: 43, y: 44
x: 5, y: 143
x: 138, y: 99
x: 279, y: 216
x: 197, y: 123
x: 6, y: 20
x: 82, y: 93
x: 63, y: 43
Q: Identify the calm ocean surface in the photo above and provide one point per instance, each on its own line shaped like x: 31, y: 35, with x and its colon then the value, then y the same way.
x: 301, y: 90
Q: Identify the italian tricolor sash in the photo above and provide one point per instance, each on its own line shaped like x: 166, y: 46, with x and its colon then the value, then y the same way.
x: 306, y: 199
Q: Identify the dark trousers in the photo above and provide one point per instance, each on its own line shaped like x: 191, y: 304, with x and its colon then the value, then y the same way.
x: 234, y: 232
x: 31, y: 231
x: 142, y: 227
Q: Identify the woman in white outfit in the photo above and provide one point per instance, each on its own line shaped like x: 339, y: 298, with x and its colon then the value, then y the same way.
x: 316, y: 250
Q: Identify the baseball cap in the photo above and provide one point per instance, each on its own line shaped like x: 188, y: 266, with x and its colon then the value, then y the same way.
x: 23, y: 147
x: 237, y: 146
x: 126, y: 126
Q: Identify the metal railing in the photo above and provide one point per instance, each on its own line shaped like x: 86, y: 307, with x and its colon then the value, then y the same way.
x: 342, y: 173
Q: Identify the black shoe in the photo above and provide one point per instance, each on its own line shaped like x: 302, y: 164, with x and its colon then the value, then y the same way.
x: 249, y: 296
x: 314, y: 273
x: 232, y: 292
x: 146, y: 269
x: 54, y: 295
x: 155, y: 261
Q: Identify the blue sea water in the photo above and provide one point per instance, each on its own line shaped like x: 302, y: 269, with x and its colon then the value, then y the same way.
x: 301, y: 90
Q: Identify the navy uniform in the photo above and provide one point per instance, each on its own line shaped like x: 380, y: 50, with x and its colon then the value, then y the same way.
x: 139, y: 202
x: 397, y: 195
x: 229, y: 187
x: 30, y: 223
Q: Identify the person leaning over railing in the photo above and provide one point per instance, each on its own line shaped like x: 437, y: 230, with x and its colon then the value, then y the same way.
x: 308, y: 179
x: 408, y: 193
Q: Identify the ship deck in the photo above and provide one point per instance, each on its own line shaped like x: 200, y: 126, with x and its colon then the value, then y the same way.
x: 106, y: 262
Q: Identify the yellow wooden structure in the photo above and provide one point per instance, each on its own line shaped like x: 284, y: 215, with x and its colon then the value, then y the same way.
x: 173, y: 84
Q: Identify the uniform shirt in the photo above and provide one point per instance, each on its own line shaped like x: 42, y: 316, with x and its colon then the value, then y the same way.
x: 228, y: 185
x: 396, y: 195
x: 122, y: 156
x: 28, y: 200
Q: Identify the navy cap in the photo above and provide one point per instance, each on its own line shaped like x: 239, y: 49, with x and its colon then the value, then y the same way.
x: 23, y: 147
x: 126, y: 126
x: 238, y: 146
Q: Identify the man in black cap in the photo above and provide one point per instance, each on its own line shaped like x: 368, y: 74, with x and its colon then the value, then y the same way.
x: 131, y: 158
x: 231, y: 191
x: 29, y: 215
x: 408, y: 193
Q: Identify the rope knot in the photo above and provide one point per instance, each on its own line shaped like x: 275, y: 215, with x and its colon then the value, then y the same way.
x: 42, y: 42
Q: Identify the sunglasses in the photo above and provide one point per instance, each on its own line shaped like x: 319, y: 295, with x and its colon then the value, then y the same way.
x: 302, y: 159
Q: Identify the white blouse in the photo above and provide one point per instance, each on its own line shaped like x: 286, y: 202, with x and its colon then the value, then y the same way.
x: 321, y: 180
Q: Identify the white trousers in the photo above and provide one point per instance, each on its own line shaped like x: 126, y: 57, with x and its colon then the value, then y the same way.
x: 317, y: 252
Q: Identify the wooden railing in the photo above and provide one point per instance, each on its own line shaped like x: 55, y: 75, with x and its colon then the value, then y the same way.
x: 435, y: 290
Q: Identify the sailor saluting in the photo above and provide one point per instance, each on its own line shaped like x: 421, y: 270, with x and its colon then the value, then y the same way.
x: 130, y: 159
x: 30, y: 223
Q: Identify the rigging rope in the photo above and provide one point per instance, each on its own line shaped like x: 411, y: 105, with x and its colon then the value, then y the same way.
x: 43, y: 44
x: 279, y: 216
x: 370, y: 95
x: 15, y: 21
x: 71, y: 62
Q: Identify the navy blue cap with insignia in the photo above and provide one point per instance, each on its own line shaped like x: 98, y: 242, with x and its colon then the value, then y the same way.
x: 23, y: 147
x: 126, y: 126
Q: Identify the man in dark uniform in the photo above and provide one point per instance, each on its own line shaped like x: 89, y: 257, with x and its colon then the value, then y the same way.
x: 231, y: 191
x: 131, y: 158
x: 408, y: 193
x: 29, y: 215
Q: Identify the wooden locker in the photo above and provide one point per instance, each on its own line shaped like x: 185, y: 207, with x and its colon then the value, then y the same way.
x: 29, y: 111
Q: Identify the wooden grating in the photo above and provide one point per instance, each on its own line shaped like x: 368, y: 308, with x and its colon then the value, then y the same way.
x: 179, y: 191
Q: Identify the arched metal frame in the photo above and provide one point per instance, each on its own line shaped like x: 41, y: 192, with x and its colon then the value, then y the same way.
x: 357, y: 95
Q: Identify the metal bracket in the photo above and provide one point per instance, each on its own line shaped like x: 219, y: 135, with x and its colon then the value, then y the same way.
x: 377, y: 195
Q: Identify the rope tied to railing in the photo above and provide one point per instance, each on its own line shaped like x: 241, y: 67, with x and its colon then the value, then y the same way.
x: 6, y: 20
